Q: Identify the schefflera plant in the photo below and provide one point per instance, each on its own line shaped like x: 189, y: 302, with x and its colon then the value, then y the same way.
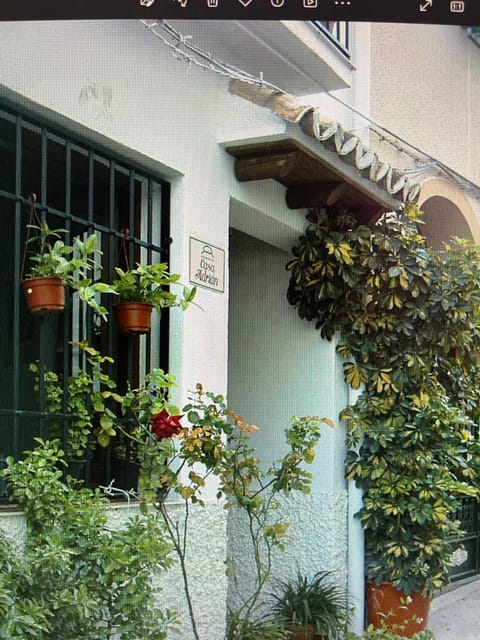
x: 408, y: 317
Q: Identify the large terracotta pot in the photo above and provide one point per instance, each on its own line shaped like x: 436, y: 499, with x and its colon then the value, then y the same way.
x: 44, y: 295
x: 404, y: 614
x: 133, y: 318
x: 301, y: 632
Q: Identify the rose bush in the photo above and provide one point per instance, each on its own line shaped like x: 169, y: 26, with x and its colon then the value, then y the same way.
x: 165, y: 425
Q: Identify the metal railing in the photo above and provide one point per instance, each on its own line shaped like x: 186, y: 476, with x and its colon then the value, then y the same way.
x: 82, y: 190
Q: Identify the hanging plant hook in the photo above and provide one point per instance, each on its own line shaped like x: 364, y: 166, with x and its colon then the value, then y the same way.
x: 123, y: 247
x: 33, y: 220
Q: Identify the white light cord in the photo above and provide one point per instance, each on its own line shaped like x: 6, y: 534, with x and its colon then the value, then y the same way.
x: 112, y: 491
x: 183, y: 49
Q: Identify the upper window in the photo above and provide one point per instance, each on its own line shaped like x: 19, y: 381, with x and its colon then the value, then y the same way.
x: 337, y: 31
x: 83, y: 191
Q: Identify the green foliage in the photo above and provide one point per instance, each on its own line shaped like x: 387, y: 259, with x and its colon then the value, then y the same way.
x: 135, y: 439
x: 315, y: 600
x: 409, y: 320
x: 247, y: 486
x: 69, y: 527
x: 83, y: 404
x: 78, y: 578
x: 150, y: 283
x: 71, y: 263
x: 263, y: 629
x: 384, y: 633
x: 21, y: 617
x: 217, y: 443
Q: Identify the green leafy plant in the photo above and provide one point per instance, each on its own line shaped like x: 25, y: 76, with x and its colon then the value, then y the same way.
x: 81, y: 404
x: 150, y: 283
x: 176, y: 458
x: 78, y: 577
x: 73, y: 264
x: 409, y: 320
x: 135, y: 441
x: 264, y: 629
x: 21, y: 616
x: 179, y: 458
x: 384, y: 633
x: 316, y: 600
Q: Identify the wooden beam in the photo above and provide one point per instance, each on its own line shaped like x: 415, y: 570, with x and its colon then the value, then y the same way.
x: 275, y: 166
x: 320, y: 194
x: 368, y: 215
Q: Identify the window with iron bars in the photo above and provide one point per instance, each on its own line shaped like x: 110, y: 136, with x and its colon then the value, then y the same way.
x: 337, y: 32
x: 82, y: 190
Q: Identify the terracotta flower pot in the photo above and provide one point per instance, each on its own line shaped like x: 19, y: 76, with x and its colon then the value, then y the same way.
x: 404, y: 614
x: 44, y: 295
x: 301, y: 632
x: 133, y: 318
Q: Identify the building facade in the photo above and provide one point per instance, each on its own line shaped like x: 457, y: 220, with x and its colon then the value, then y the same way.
x: 118, y: 124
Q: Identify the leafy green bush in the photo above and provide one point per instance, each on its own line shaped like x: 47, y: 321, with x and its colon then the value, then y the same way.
x: 409, y: 318
x: 78, y: 578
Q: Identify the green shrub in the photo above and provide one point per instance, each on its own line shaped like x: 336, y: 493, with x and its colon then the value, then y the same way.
x: 78, y: 578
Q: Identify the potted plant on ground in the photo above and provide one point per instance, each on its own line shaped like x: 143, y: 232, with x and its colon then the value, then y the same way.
x: 414, y: 479
x: 142, y: 289
x: 53, y: 265
x: 312, y: 607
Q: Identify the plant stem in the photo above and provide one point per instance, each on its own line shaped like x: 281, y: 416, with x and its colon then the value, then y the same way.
x: 181, y: 550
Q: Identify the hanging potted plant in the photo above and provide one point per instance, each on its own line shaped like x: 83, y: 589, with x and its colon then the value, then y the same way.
x: 52, y: 265
x: 142, y: 289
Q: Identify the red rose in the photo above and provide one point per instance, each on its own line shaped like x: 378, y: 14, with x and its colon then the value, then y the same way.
x: 164, y: 425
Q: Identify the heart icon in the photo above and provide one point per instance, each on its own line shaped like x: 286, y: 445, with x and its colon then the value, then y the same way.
x: 245, y: 2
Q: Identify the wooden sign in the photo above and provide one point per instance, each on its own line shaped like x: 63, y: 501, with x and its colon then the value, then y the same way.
x: 207, y: 265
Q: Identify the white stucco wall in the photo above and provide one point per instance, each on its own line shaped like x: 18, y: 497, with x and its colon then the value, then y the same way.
x: 425, y: 82
x: 280, y: 367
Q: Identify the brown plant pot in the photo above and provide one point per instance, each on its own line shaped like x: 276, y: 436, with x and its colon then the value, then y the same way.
x: 301, y: 632
x: 44, y: 295
x: 390, y: 606
x: 133, y: 318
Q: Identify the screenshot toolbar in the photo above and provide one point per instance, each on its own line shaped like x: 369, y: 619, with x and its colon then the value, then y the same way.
x: 422, y: 11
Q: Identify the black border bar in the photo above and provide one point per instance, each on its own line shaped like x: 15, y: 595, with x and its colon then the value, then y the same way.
x: 460, y: 12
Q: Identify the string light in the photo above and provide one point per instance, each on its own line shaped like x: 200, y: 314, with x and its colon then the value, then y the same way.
x: 183, y: 48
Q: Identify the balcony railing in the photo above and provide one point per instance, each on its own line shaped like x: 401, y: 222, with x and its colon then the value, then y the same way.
x: 337, y: 32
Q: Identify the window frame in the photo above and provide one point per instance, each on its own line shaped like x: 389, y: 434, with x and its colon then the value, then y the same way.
x: 149, y: 239
x: 342, y: 42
